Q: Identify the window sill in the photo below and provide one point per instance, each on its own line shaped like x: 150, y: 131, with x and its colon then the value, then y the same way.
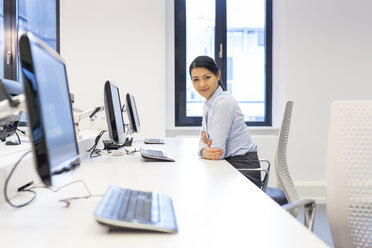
x: 192, y: 131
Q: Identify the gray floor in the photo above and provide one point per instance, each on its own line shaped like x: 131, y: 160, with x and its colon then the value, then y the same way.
x: 321, y: 225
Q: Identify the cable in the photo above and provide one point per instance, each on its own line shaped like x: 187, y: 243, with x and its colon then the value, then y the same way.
x: 93, y: 148
x: 67, y: 200
x: 63, y: 186
x: 22, y: 190
x: 131, y: 152
x: 14, y: 130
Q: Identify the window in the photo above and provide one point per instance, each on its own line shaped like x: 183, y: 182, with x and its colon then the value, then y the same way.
x: 238, y: 34
x: 40, y: 17
x: 1, y: 39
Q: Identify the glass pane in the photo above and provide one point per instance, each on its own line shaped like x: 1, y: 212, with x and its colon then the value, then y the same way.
x: 200, y: 31
x: 40, y: 18
x: 246, y: 56
x: 1, y: 39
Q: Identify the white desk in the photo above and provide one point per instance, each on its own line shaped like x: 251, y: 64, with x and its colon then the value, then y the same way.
x: 215, y: 207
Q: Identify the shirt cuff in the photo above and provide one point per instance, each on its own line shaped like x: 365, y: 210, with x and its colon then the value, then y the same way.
x: 200, y: 153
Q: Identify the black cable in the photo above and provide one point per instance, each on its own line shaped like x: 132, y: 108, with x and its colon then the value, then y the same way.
x: 93, y: 149
x: 97, y: 140
x: 14, y: 131
x: 15, y: 128
x: 23, y: 190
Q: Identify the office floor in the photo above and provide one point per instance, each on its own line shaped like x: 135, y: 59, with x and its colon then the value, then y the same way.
x: 321, y: 224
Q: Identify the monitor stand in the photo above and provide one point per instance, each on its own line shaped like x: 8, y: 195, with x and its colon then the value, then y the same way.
x: 111, y: 145
x: 128, y: 141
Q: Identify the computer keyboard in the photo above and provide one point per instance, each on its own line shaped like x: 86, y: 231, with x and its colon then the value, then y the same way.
x: 155, y: 154
x: 153, y: 141
x: 125, y: 208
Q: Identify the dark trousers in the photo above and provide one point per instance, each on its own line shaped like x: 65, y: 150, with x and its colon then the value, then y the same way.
x: 247, y: 161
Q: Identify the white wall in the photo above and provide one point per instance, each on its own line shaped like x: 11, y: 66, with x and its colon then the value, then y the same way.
x: 122, y: 41
x: 328, y: 57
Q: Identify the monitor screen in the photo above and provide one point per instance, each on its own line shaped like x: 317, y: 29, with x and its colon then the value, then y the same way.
x: 49, y: 110
x: 132, y: 113
x: 114, y: 115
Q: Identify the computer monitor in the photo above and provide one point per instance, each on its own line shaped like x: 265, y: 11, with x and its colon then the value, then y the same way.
x: 9, y: 88
x: 49, y: 111
x: 132, y: 113
x: 114, y: 115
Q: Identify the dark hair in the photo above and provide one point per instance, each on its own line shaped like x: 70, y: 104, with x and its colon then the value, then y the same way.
x: 207, y: 63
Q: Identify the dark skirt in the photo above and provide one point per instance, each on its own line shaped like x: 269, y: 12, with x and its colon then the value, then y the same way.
x: 247, y: 161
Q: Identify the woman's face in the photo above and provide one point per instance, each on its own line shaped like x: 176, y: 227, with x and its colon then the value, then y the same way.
x: 204, y: 81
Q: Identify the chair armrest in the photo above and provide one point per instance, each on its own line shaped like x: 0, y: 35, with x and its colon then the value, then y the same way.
x: 309, y: 207
x: 253, y: 169
x: 265, y: 161
x: 266, y: 170
x: 266, y: 177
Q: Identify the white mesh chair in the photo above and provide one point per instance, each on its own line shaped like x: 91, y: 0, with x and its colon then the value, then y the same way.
x: 349, y: 174
x: 286, y: 195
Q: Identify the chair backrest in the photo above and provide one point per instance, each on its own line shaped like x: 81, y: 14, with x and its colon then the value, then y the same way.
x: 281, y: 168
x: 349, y: 173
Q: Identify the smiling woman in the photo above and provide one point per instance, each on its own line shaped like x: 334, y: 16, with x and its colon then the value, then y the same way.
x: 224, y: 134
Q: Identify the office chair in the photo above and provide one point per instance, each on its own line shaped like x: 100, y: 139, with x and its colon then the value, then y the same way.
x: 286, y: 195
x: 349, y: 174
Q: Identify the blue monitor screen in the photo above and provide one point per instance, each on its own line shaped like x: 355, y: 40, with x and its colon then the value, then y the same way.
x: 56, y: 110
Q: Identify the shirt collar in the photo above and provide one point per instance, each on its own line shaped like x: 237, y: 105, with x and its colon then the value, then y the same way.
x: 215, y: 94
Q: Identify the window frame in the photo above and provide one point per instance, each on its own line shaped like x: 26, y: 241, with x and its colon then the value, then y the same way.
x: 220, y: 38
x: 11, y: 37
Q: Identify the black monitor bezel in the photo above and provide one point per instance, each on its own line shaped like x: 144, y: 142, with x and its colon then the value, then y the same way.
x: 110, y: 114
x: 132, y: 113
x: 35, y: 115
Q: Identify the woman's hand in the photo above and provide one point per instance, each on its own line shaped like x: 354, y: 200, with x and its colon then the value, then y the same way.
x: 204, y: 137
x: 211, y: 153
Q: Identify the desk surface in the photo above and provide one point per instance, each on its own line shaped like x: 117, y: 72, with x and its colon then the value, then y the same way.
x: 215, y: 207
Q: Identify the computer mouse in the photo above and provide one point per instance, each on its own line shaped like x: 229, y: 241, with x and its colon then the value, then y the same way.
x: 11, y: 143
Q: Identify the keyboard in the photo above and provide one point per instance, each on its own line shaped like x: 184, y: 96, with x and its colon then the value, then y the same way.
x: 138, y: 210
x: 153, y: 141
x: 155, y: 154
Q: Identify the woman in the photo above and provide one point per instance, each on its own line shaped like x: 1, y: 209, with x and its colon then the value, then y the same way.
x: 224, y: 133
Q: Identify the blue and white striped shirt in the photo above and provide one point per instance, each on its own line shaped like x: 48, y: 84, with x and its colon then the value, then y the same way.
x: 223, y: 122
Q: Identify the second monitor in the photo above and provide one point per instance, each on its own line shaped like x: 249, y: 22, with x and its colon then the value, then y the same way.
x: 134, y: 120
x: 132, y: 113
